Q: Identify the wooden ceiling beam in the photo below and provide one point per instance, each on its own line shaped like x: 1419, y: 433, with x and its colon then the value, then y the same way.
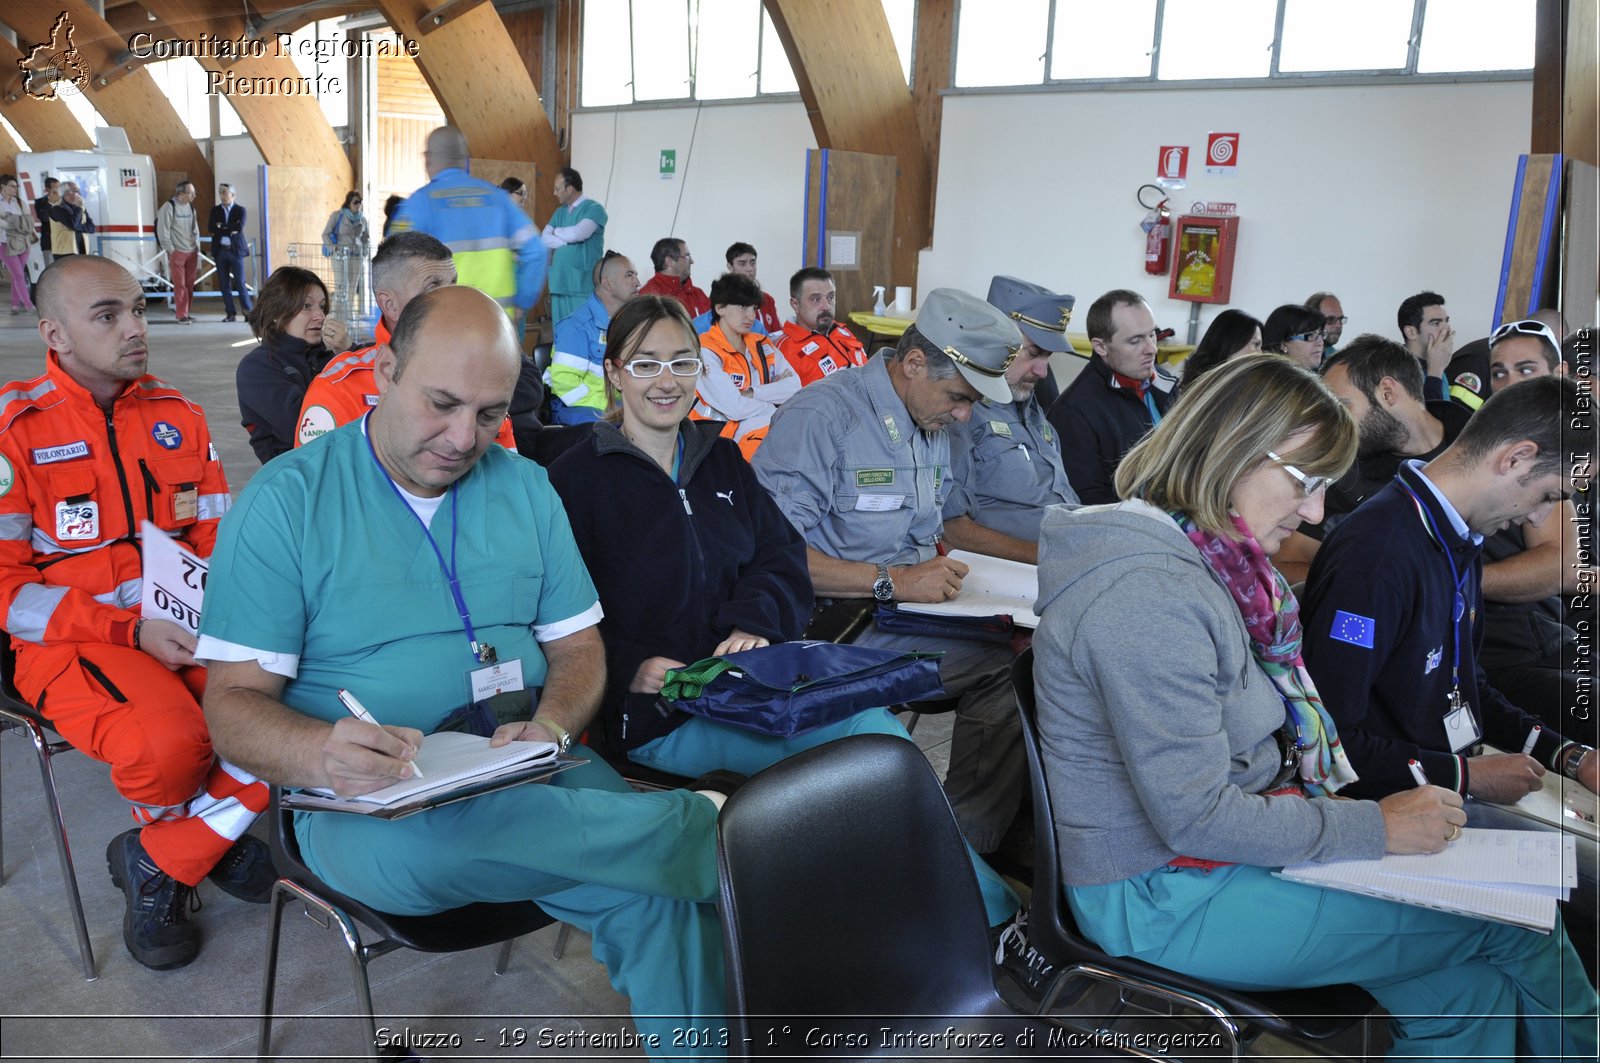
x: 483, y: 86
x: 46, y: 125
x: 133, y: 102
x: 855, y: 93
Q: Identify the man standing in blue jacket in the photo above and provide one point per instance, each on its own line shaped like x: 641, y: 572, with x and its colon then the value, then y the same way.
x: 496, y: 246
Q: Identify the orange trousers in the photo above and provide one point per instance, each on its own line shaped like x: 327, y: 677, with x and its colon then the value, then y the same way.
x: 125, y: 708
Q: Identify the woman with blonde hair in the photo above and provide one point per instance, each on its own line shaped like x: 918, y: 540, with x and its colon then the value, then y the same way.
x: 1188, y: 765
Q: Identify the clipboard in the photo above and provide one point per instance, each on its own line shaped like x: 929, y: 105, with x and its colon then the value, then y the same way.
x: 517, y: 775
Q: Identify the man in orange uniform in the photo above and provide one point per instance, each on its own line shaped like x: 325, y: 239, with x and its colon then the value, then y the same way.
x: 88, y: 451
x: 814, y: 343
x: 406, y: 265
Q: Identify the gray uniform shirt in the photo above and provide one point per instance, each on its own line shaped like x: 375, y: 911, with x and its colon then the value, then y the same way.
x: 852, y: 471
x: 1005, y: 468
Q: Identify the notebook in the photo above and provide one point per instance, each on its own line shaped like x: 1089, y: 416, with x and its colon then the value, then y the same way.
x: 993, y: 587
x: 454, y: 765
x: 1509, y: 876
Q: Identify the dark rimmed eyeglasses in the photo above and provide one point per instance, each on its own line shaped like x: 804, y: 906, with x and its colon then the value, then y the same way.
x: 1334, y: 319
x: 1309, y: 485
x: 1317, y: 335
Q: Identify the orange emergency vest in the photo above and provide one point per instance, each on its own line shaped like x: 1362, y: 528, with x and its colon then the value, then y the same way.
x: 814, y: 355
x: 347, y: 389
x: 756, y: 364
x: 76, y: 481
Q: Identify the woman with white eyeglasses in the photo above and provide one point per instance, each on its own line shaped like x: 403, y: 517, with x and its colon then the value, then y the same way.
x: 1189, y: 764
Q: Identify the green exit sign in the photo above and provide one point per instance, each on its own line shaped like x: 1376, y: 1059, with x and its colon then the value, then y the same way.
x: 669, y: 163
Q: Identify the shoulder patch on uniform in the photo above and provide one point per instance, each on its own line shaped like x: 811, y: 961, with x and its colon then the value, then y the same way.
x: 8, y: 476
x: 317, y: 422
x: 1353, y: 628
x: 1471, y: 382
x: 1000, y: 428
x: 874, y: 477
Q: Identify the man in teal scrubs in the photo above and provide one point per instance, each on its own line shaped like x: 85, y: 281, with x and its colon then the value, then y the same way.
x: 399, y: 556
x: 576, y: 237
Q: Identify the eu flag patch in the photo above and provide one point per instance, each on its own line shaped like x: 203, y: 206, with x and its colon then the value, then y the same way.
x: 1356, y: 630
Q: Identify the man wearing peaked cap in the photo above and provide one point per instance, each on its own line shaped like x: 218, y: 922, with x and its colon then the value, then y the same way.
x: 1005, y: 462
x: 860, y: 463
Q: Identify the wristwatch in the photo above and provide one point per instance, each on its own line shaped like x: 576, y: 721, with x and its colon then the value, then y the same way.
x: 562, y: 736
x: 883, y: 586
x: 1572, y: 759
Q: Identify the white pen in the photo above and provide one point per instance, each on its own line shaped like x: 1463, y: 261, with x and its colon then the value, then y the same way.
x: 1533, y: 738
x: 359, y: 711
x: 1416, y: 772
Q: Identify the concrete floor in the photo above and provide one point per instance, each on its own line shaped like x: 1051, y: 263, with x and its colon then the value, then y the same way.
x: 206, y: 1010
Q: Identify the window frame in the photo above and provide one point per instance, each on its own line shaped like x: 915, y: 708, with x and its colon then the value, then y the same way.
x: 1406, y: 75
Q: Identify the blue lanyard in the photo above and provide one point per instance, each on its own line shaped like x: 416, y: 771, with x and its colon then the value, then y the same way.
x: 1459, y: 580
x: 481, y: 653
x: 1150, y: 403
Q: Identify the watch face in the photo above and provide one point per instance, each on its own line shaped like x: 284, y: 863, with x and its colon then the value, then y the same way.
x: 883, y: 589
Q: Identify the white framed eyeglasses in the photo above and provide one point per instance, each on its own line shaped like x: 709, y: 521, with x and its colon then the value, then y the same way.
x: 1309, y: 485
x: 650, y: 368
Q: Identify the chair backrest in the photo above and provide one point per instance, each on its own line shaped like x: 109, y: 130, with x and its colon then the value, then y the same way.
x: 1050, y: 929
x: 846, y: 889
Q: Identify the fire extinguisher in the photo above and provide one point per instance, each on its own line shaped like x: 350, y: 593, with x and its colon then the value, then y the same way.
x: 1157, y: 226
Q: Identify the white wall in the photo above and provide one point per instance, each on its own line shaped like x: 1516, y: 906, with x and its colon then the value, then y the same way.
x: 1373, y: 192
x: 741, y: 175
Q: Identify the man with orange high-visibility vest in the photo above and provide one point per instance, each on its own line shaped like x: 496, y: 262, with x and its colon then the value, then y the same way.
x: 496, y: 246
x: 88, y: 451
x: 814, y: 343
x: 406, y: 265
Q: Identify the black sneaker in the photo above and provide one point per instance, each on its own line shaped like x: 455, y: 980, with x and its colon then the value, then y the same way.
x: 156, y: 926
x: 246, y: 871
x: 1020, y: 960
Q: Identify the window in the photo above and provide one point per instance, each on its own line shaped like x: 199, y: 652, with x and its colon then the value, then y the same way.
x: 636, y: 50
x: 1011, y: 42
x: 1353, y: 35
x: 1471, y: 35
x: 314, y: 48
x: 183, y: 83
x: 11, y: 131
x: 1002, y: 42
x: 1201, y: 39
x: 85, y: 112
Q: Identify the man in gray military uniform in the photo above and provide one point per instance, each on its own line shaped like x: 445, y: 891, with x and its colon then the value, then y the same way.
x: 1005, y: 463
x: 859, y: 462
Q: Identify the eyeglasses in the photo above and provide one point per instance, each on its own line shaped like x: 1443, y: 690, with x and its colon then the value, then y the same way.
x: 1330, y: 319
x: 650, y: 368
x: 1309, y: 485
x: 1317, y: 335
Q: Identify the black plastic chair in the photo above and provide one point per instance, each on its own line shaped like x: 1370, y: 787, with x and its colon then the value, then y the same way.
x: 1306, y: 1014
x: 457, y: 930
x: 846, y: 897
x: 18, y: 715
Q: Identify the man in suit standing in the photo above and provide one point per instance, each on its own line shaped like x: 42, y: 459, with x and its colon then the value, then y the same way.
x: 228, y: 249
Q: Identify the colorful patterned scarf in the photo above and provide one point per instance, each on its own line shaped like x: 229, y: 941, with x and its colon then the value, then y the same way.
x: 1272, y: 617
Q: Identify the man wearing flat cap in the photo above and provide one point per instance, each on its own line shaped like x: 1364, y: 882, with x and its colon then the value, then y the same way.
x: 860, y: 463
x: 1005, y: 462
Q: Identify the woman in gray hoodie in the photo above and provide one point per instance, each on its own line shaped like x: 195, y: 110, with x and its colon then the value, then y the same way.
x: 1189, y: 755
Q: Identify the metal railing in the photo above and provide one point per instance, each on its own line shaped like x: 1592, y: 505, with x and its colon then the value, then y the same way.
x: 348, y: 276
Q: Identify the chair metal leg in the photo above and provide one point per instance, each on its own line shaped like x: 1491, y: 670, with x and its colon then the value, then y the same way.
x: 69, y: 876
x: 502, y: 959
x: 45, y: 750
x: 561, y: 939
x: 280, y: 896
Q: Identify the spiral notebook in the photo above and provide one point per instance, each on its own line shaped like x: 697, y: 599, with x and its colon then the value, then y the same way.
x: 1509, y: 876
x: 455, y: 765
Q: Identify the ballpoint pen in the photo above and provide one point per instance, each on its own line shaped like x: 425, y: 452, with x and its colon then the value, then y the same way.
x: 359, y: 711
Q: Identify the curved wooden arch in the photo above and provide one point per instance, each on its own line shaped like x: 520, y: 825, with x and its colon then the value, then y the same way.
x: 133, y: 102
x: 471, y: 61
x: 844, y: 58
x: 287, y: 130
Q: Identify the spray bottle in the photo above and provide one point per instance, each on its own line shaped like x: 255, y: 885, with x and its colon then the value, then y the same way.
x: 877, y: 304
